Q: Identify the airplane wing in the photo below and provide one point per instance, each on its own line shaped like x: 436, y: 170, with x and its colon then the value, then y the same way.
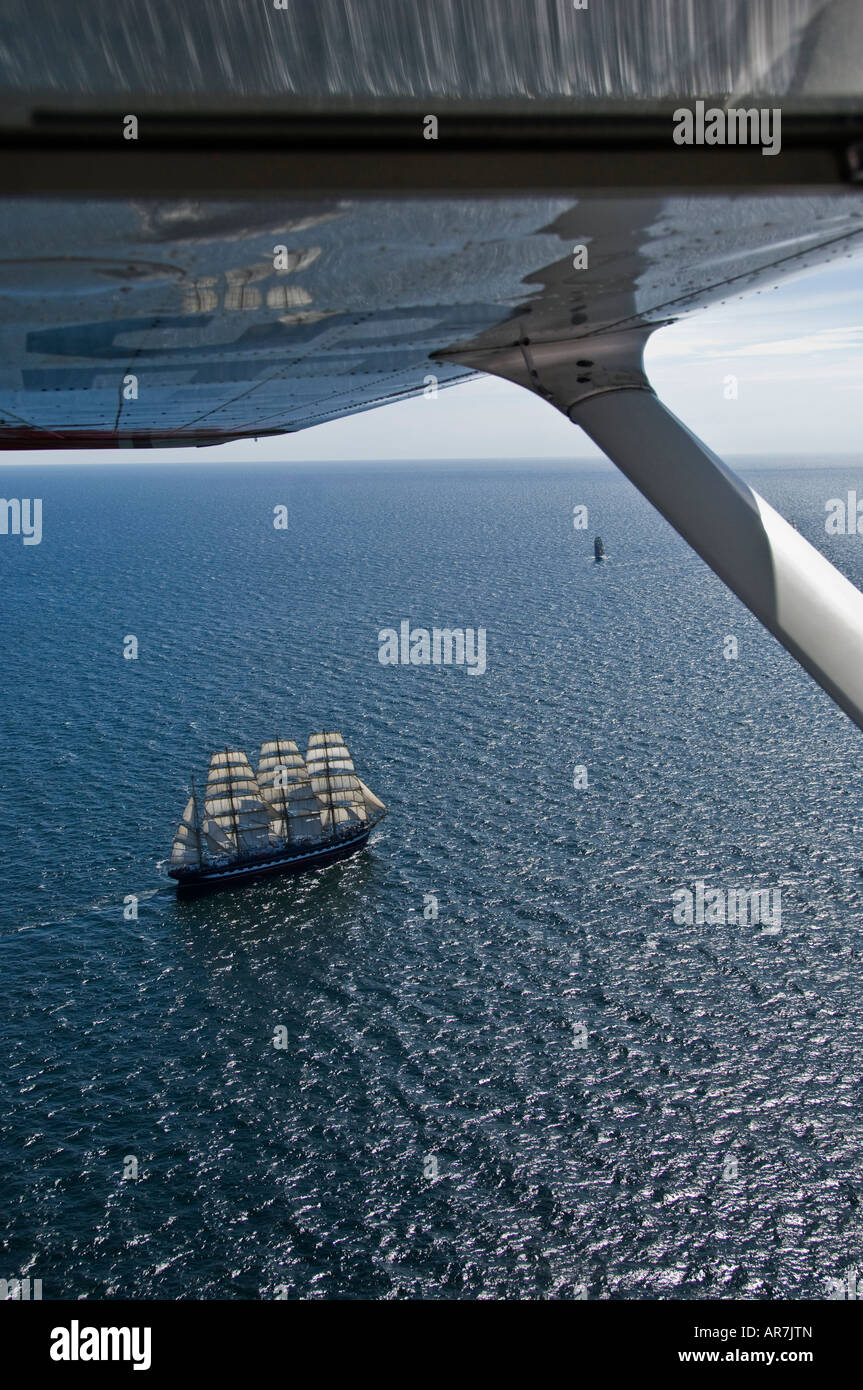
x: 154, y: 159
x: 234, y: 219
x: 136, y: 323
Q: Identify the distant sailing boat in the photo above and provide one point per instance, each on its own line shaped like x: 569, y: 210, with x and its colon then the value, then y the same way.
x: 294, y: 814
x: 598, y: 549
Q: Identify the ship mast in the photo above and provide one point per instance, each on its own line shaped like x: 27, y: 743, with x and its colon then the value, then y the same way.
x: 286, y: 817
x: 197, y: 823
x: 230, y: 778
x: 239, y: 817
x: 281, y: 769
x: 329, y: 783
x: 286, y: 788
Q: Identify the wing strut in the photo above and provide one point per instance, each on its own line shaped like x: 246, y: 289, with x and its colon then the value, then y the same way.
x: 814, y: 611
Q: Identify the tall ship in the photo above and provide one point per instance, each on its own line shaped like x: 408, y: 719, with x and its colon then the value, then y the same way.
x: 293, y: 814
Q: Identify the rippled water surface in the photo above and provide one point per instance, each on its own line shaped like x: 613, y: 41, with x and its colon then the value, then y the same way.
x: 417, y: 1044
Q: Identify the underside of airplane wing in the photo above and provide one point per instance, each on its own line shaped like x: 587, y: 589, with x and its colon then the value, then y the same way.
x: 135, y: 323
x: 245, y: 218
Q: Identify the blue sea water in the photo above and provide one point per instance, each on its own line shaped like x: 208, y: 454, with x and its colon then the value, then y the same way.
x: 551, y: 1084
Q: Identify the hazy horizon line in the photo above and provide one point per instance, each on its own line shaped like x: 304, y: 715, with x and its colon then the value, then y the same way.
x: 588, y: 461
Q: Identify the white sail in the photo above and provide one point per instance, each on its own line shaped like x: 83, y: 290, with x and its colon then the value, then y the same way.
x: 334, y: 781
x: 185, y: 847
x: 295, y: 811
x: 215, y: 839
x: 233, y: 802
x: 280, y: 753
x: 373, y: 803
x: 305, y: 813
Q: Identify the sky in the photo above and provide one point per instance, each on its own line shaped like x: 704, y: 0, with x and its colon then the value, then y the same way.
x: 796, y: 353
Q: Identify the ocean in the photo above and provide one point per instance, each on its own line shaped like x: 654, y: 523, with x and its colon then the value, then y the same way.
x: 513, y: 1068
